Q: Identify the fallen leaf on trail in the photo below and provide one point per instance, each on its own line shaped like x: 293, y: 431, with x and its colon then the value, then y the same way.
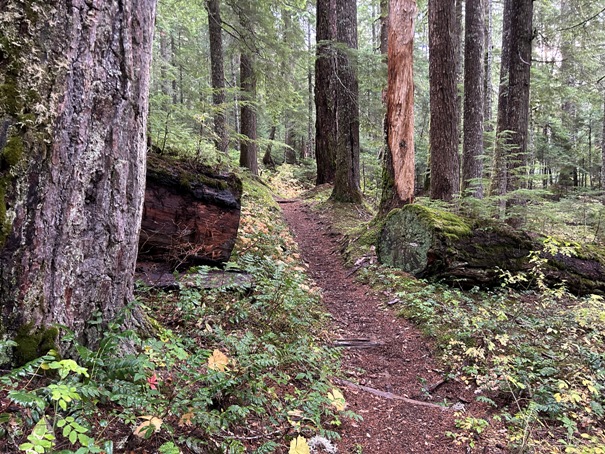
x: 149, y: 421
x: 294, y: 418
x: 337, y: 399
x: 218, y: 361
x: 299, y: 446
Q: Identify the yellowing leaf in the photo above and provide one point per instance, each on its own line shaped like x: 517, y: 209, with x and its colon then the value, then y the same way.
x: 149, y: 421
x: 218, y: 361
x: 337, y: 399
x: 185, y: 420
x: 299, y: 446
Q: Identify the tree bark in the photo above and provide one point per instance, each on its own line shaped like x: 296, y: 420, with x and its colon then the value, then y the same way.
x: 325, y: 92
x: 73, y: 161
x: 487, y: 85
x: 347, y: 176
x: 437, y: 244
x: 398, y: 171
x: 603, y: 147
x: 217, y: 73
x: 268, y: 157
x: 472, y: 151
x: 248, y: 145
x: 384, y: 26
x: 445, y: 172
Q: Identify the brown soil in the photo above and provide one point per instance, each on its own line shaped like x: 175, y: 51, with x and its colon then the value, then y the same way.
x: 399, y: 359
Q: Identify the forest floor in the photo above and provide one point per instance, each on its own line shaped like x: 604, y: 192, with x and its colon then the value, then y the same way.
x: 387, y: 355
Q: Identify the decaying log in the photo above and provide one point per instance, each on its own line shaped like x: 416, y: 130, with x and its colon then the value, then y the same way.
x: 427, y: 242
x: 191, y: 213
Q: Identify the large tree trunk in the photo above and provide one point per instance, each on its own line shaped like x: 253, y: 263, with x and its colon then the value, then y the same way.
x: 433, y: 243
x: 398, y: 172
x: 518, y: 102
x: 73, y: 160
x: 325, y: 92
x: 346, y: 178
x: 472, y: 150
x: 445, y: 172
x: 217, y: 74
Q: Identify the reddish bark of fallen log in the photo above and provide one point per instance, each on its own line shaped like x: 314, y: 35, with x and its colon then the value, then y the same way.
x: 191, y: 213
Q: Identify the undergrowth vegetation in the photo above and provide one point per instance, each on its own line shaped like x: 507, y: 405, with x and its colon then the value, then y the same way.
x: 536, y: 355
x: 240, y: 367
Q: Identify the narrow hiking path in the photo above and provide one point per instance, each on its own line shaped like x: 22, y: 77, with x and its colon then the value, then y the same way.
x: 387, y: 354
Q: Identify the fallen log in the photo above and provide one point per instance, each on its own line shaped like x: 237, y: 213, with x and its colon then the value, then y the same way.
x: 427, y: 242
x: 190, y: 215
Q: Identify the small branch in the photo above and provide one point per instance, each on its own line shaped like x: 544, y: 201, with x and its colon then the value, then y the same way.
x: 387, y: 395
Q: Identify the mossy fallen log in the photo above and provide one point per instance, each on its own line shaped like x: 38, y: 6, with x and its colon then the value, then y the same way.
x: 191, y: 213
x: 432, y: 243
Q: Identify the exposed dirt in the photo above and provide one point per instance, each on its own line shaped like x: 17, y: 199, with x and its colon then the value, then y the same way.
x: 396, y: 358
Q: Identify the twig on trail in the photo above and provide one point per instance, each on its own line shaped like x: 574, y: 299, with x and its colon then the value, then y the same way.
x: 356, y: 343
x: 387, y: 395
x: 287, y: 200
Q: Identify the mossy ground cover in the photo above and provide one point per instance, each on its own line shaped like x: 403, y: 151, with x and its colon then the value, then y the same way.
x: 234, y: 369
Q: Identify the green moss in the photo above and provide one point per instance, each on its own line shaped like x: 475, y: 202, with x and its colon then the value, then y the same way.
x: 33, y: 343
x: 452, y: 225
x: 9, y: 98
x: 13, y: 151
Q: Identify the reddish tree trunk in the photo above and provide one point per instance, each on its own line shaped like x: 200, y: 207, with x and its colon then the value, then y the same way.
x: 398, y: 181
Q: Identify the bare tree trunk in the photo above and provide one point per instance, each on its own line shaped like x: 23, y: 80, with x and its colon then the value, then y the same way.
x: 384, y: 26
x: 487, y: 71
x: 603, y: 147
x: 325, y: 92
x: 310, y: 145
x: 445, y: 176
x: 248, y: 145
x: 268, y: 157
x: 71, y: 179
x: 398, y: 171
x: 346, y: 178
x: 217, y: 74
x: 499, y: 173
x: 519, y: 80
x: 472, y: 162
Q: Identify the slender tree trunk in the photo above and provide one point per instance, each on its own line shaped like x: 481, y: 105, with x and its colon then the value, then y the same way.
x: 398, y: 170
x: 384, y: 26
x: 346, y: 179
x: 499, y: 173
x: 445, y: 177
x: 325, y: 92
x: 217, y: 74
x: 310, y: 100
x: 248, y: 145
x: 488, y: 127
x: 268, y: 158
x: 71, y: 179
x: 472, y: 161
x: 603, y: 147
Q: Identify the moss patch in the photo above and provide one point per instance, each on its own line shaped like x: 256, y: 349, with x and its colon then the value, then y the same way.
x: 452, y: 226
x: 33, y: 343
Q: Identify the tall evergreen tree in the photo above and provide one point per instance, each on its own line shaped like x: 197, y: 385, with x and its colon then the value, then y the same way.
x: 346, y: 178
x: 325, y: 92
x: 217, y: 74
x: 472, y: 152
x: 445, y: 172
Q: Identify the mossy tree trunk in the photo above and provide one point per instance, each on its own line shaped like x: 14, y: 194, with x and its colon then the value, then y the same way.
x: 74, y: 82
x: 431, y: 243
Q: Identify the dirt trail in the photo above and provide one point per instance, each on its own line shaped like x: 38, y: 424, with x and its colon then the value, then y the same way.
x: 399, y: 361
